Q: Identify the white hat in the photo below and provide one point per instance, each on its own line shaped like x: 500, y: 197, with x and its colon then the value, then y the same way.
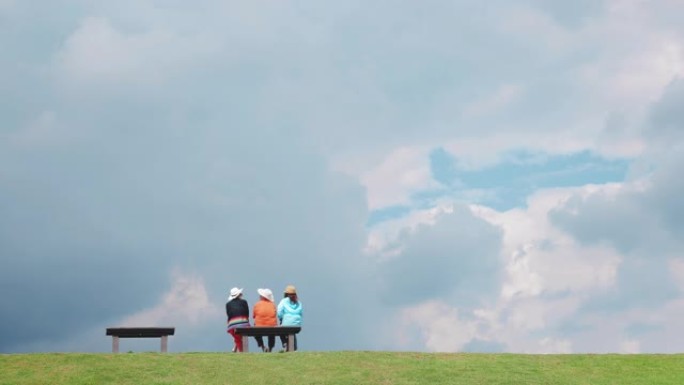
x: 266, y: 293
x: 234, y: 293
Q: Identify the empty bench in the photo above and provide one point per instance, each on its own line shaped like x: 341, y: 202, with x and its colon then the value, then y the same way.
x: 265, y: 331
x: 162, y: 333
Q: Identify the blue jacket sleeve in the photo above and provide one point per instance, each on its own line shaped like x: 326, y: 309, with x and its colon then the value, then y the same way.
x: 280, y: 312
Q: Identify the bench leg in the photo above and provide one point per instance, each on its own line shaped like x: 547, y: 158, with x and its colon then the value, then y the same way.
x: 115, y: 344
x: 164, y: 343
x: 290, y: 343
x: 245, y: 344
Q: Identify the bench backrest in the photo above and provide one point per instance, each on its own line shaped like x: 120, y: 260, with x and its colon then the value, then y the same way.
x: 144, y: 332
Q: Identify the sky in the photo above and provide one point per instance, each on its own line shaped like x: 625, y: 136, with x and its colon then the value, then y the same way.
x: 439, y: 176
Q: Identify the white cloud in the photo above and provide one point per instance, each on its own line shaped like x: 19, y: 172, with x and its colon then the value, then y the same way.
x: 552, y: 346
x: 384, y: 238
x: 446, y: 328
x: 186, y: 303
x: 535, y: 249
x: 630, y: 347
x: 98, y: 53
x: 442, y: 330
x: 677, y: 268
x: 634, y: 80
x: 503, y: 96
x: 533, y: 25
x: 548, y: 278
x: 403, y: 172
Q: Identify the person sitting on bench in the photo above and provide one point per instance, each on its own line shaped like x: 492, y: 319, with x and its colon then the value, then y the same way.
x: 264, y: 314
x: 237, y: 311
x: 290, y: 313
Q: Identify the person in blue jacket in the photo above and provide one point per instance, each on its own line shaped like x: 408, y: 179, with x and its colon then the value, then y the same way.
x: 290, y: 313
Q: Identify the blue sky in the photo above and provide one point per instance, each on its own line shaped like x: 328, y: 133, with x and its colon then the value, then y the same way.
x: 507, y: 185
x: 499, y: 177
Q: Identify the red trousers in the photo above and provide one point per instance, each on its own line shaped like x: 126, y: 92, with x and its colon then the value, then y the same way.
x: 237, y: 338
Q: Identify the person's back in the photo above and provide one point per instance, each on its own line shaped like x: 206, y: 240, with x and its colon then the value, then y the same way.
x: 290, y: 312
x: 237, y: 312
x: 265, y: 313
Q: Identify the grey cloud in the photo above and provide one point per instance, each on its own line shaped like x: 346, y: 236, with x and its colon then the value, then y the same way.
x: 640, y: 221
x: 571, y: 13
x: 456, y: 260
x: 217, y: 163
x: 364, y: 71
x: 131, y: 180
x: 634, y: 229
x: 667, y: 115
x: 91, y: 226
x: 641, y: 329
x: 90, y: 234
x: 646, y: 226
x: 622, y: 223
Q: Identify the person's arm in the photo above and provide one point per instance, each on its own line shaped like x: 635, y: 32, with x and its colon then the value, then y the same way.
x: 279, y: 312
x: 274, y: 311
x: 246, y: 309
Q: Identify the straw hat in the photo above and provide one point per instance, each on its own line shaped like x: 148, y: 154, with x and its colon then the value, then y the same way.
x: 266, y: 293
x: 290, y: 290
x: 234, y: 293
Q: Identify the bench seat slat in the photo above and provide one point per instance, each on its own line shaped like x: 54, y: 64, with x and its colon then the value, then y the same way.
x: 254, y: 331
x: 145, y: 332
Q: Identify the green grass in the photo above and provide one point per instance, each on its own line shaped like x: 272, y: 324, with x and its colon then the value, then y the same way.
x: 339, y: 368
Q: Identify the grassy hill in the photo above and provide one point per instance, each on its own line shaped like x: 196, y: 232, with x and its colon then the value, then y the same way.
x: 339, y: 368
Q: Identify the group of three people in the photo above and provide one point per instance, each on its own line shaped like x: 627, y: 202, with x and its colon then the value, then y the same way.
x: 265, y: 313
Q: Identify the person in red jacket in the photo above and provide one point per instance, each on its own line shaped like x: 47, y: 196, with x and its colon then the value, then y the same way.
x: 264, y: 314
x: 237, y: 311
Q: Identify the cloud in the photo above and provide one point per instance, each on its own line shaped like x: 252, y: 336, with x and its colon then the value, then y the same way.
x: 6, y: 5
x: 403, y: 172
x: 151, y: 186
x: 442, y: 328
x: 643, y: 219
x: 503, y: 96
x: 457, y: 258
x: 247, y: 143
x: 186, y: 303
x: 666, y: 117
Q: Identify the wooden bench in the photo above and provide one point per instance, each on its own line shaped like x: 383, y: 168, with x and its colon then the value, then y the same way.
x: 162, y: 333
x: 266, y: 331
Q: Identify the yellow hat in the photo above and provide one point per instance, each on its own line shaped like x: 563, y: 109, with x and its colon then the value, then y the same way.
x: 290, y: 290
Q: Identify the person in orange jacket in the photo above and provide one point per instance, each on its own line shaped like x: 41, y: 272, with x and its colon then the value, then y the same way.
x: 265, y: 314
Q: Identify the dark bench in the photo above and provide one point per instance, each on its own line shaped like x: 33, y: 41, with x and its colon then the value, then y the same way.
x: 266, y: 331
x: 162, y: 333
